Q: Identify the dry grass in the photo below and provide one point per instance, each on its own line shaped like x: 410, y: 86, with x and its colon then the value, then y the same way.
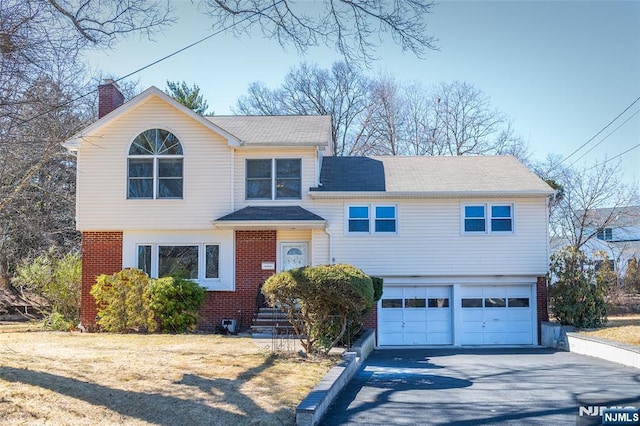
x: 73, y: 378
x: 624, y: 328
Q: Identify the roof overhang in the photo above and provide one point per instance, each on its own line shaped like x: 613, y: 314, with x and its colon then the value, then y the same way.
x: 269, y: 224
x: 427, y: 194
x: 271, y: 217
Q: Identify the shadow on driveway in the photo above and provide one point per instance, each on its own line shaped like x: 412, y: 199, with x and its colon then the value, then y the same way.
x: 482, y: 386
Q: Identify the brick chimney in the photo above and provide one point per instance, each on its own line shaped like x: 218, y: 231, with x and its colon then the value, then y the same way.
x: 109, y: 97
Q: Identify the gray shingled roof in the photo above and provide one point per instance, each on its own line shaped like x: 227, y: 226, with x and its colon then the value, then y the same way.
x: 270, y: 130
x: 271, y: 213
x: 430, y: 174
x: 351, y: 174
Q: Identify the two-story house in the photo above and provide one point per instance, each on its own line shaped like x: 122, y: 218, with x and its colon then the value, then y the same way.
x: 461, y: 242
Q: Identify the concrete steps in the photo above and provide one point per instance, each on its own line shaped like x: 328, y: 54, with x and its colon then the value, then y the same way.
x: 270, y: 321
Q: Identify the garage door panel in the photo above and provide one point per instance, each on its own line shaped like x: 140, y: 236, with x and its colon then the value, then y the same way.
x: 391, y: 315
x: 439, y: 315
x: 519, y: 314
x: 415, y: 338
x: 415, y: 315
x: 436, y: 338
x: 495, y: 326
x: 503, y: 317
x: 493, y: 338
x: 439, y: 327
x: 519, y: 326
x: 472, y: 315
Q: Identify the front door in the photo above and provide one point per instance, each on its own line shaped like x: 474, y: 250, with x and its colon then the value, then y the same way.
x: 294, y: 255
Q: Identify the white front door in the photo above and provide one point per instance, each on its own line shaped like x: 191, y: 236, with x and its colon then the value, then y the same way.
x: 294, y: 255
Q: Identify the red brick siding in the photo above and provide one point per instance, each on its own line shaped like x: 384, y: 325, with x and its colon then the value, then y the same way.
x: 252, y: 248
x: 543, y: 312
x: 101, y: 254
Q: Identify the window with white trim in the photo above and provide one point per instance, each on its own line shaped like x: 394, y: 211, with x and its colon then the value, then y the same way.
x: 487, y: 218
x: 274, y: 179
x: 154, y: 166
x: 372, y: 219
x: 605, y: 234
x: 199, y: 262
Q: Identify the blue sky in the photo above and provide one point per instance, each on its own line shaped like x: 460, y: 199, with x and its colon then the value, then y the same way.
x: 561, y: 70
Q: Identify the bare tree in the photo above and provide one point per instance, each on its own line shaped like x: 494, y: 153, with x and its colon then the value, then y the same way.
x: 586, y: 201
x: 341, y: 92
x: 384, y: 117
x: 41, y: 79
x: 352, y: 27
x: 383, y: 124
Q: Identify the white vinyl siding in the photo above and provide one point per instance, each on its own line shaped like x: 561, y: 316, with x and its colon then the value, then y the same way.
x: 429, y: 241
x: 102, y: 170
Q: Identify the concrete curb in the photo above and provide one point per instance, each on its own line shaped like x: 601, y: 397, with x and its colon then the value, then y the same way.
x: 612, y: 351
x: 313, y: 407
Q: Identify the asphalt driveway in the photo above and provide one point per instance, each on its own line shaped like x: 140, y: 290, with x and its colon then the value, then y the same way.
x: 483, y: 386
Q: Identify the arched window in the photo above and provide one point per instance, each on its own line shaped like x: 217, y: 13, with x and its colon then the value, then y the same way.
x: 154, y: 165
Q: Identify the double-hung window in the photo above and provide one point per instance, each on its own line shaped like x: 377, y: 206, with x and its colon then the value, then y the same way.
x: 487, y: 218
x: 372, y: 219
x: 605, y: 234
x: 154, y: 166
x: 200, y: 262
x: 274, y: 179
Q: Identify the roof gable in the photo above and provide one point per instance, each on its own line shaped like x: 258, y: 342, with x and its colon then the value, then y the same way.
x: 75, y: 141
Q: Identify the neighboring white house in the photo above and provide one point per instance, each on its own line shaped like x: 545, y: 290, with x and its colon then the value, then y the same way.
x: 461, y: 242
x: 619, y: 237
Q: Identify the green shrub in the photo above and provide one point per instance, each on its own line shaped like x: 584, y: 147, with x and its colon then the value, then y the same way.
x: 57, y: 279
x: 56, y: 321
x: 321, y: 302
x: 377, y: 288
x: 175, y: 303
x: 577, y: 293
x: 124, y: 302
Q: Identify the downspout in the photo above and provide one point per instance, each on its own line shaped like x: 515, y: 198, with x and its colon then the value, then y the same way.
x: 326, y: 229
x: 233, y: 176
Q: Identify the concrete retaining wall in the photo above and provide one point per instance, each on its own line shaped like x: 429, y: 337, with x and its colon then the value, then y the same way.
x: 611, y: 351
x: 554, y: 335
x: 313, y: 407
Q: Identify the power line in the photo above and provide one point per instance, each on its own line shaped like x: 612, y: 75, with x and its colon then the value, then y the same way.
x: 77, y: 98
x: 603, y: 139
x: 601, y: 130
x: 614, y: 158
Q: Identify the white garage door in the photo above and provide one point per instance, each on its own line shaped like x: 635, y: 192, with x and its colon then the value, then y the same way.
x: 415, y: 316
x: 496, y: 315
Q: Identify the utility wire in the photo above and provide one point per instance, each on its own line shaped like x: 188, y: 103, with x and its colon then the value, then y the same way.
x: 77, y: 98
x: 601, y: 130
x: 614, y: 158
x: 603, y: 139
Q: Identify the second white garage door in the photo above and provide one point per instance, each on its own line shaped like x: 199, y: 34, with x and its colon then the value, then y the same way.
x: 496, y: 315
x: 415, y: 316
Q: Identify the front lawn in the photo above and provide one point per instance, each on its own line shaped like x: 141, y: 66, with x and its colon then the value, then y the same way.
x: 624, y: 329
x: 72, y: 378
